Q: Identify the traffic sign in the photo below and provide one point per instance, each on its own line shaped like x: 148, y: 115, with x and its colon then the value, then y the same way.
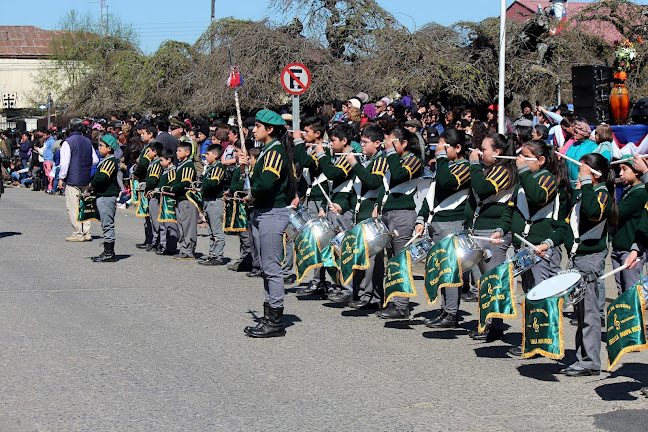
x: 295, y: 78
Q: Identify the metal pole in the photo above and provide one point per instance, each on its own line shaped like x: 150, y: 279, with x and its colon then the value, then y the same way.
x: 501, y: 121
x: 295, y: 112
x: 49, y: 110
x: 213, y: 18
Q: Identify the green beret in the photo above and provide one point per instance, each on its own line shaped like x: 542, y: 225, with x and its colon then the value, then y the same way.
x: 627, y: 159
x: 270, y: 118
x: 110, y: 141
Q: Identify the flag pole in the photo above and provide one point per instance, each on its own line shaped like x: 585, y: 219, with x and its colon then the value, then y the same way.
x: 501, y: 120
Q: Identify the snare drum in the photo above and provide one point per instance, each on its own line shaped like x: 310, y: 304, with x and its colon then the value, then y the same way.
x: 469, y: 251
x: 299, y: 217
x: 568, y: 284
x: 377, y: 235
x: 418, y: 251
x: 322, y: 228
x: 523, y: 261
x: 336, y: 241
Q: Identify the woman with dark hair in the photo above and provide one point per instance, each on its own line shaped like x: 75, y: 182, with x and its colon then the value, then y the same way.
x: 445, y: 215
x: 397, y: 202
x: 272, y: 191
x: 585, y: 238
x: 492, y: 187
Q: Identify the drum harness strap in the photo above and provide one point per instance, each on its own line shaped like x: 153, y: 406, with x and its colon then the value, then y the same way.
x: 450, y: 203
x: 501, y: 197
x: 406, y: 188
x: 357, y: 187
x: 306, y: 175
x: 550, y: 211
x: 574, y: 221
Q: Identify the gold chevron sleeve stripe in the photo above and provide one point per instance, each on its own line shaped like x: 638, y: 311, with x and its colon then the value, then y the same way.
x: 379, y: 166
x: 217, y: 174
x: 273, y: 162
x: 108, y: 168
x: 187, y: 174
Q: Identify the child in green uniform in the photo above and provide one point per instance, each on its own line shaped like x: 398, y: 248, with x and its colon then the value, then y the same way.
x: 397, y: 202
x: 272, y: 191
x: 147, y: 136
x: 212, y: 194
x: 585, y: 235
x: 168, y: 228
x: 186, y: 211
x: 153, y: 174
x: 445, y: 216
x: 104, y: 186
x: 631, y: 208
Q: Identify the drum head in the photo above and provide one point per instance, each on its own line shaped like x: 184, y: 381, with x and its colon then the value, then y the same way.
x: 556, y: 286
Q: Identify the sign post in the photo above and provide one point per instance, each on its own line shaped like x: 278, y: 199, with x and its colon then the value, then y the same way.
x: 295, y: 79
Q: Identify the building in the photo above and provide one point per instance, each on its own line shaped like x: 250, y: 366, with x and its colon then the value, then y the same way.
x: 24, y: 51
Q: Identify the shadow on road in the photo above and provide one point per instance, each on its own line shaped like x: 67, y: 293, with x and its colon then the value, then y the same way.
x: 492, y: 351
x: 445, y: 334
x: 9, y: 234
x: 540, y: 371
x: 618, y: 391
x: 290, y: 319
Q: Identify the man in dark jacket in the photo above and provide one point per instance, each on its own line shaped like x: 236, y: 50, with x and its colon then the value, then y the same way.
x: 77, y: 159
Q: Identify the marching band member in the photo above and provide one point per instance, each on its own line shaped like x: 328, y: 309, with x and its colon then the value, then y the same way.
x: 339, y: 173
x: 186, y: 211
x: 369, y: 179
x: 312, y: 177
x: 153, y: 173
x: 211, y: 189
x: 147, y: 135
x: 584, y: 234
x: 272, y: 190
x: 397, y: 202
x: 168, y: 230
x: 492, y: 187
x: 631, y: 209
x: 445, y: 216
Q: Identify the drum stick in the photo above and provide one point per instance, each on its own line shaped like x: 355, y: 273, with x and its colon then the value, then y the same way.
x: 514, y: 158
x: 343, y: 154
x: 526, y: 242
x: 325, y: 195
x: 598, y: 173
x: 483, y: 238
x: 620, y: 161
x: 616, y: 270
x: 414, y: 237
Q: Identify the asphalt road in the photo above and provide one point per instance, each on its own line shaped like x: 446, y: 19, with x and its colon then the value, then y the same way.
x: 154, y: 344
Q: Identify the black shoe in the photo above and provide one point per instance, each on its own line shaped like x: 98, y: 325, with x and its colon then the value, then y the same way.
x: 164, y: 252
x: 211, y: 261
x: 159, y: 250
x: 254, y: 273
x: 363, y: 304
x: 489, y: 335
x: 573, y: 321
x: 340, y: 298
x: 270, y: 326
x: 150, y: 247
x: 645, y: 391
x: 581, y: 372
x: 142, y: 245
x: 312, y: 289
x: 516, y: 351
x: 184, y: 257
x: 290, y: 279
x: 448, y: 321
x: 240, y: 266
x: 393, y: 312
x: 470, y: 297
x: 430, y: 321
x: 108, y: 254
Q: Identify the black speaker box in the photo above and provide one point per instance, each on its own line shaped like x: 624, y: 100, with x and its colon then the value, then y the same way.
x: 591, y: 76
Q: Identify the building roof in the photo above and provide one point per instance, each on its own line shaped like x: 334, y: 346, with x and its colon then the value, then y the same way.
x: 26, y: 42
x: 522, y: 10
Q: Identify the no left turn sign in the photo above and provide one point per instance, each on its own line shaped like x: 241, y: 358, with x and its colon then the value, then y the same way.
x: 295, y: 78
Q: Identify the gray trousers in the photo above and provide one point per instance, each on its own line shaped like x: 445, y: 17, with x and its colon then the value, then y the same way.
x: 538, y: 272
x: 498, y: 256
x: 601, y: 291
x: 314, y: 207
x: 254, y: 237
x: 402, y: 221
x: 168, y: 235
x: 588, y: 335
x: 107, y: 206
x: 369, y: 283
x: 450, y: 296
x: 187, y: 215
x: 245, y: 247
x: 154, y: 211
x: 289, y: 261
x: 627, y: 279
x: 270, y: 225
x: 214, y: 212
x: 344, y: 221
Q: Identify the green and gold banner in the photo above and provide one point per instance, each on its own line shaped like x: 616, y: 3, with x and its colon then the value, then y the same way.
x: 167, y: 209
x: 235, y: 219
x: 331, y: 262
x: 497, y: 294
x: 307, y: 253
x: 196, y: 198
x: 142, y: 206
x: 442, y: 268
x: 88, y: 209
x: 135, y: 193
x: 399, y: 281
x: 625, y: 325
x: 354, y: 253
x: 542, y: 328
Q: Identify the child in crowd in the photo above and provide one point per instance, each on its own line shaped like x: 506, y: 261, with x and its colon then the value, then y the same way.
x: 212, y: 194
x: 153, y: 173
x: 186, y: 211
x: 168, y: 229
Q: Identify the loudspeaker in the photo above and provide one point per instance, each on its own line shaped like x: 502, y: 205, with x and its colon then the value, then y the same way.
x: 640, y: 111
x: 591, y: 91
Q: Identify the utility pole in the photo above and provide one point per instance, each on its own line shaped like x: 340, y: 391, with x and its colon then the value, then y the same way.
x: 104, y: 18
x: 49, y: 110
x: 213, y: 18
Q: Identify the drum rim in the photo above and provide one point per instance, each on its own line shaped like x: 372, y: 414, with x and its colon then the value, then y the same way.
x: 548, y: 283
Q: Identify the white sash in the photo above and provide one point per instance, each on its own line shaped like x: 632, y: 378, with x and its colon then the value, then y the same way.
x: 574, y: 220
x: 450, y: 203
x: 545, y: 212
x: 343, y: 187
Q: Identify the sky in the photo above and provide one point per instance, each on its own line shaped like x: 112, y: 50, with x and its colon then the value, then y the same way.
x: 159, y: 20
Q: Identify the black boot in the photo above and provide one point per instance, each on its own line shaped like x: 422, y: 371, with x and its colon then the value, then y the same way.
x: 430, y: 321
x: 108, y: 254
x: 272, y: 326
x: 448, y: 321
